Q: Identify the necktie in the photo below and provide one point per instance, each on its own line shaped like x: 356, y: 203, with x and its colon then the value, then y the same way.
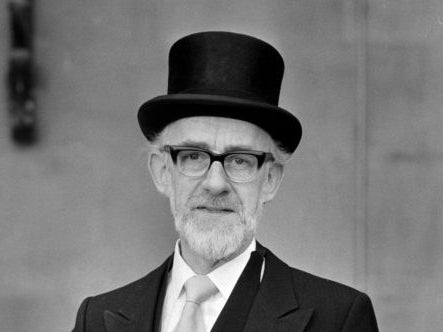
x: 198, y: 289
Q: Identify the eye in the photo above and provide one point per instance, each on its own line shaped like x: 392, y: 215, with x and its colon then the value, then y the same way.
x: 242, y: 161
x: 194, y: 156
x: 191, y: 156
x: 239, y: 161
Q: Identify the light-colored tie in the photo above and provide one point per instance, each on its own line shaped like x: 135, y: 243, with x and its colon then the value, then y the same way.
x: 198, y: 289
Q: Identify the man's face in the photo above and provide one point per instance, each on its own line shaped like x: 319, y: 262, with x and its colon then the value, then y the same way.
x: 214, y: 216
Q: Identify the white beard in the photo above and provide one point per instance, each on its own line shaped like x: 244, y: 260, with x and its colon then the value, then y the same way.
x: 216, y: 238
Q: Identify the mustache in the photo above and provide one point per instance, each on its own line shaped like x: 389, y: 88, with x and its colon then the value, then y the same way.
x: 216, y: 202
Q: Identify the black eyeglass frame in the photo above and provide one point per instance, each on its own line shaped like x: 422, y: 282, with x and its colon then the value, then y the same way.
x: 261, y: 156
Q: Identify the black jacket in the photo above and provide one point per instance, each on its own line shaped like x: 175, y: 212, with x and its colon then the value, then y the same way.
x: 288, y: 300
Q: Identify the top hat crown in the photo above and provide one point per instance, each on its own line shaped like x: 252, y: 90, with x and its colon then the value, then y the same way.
x: 223, y: 74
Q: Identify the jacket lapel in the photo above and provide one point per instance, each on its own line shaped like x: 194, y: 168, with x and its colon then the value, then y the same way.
x: 116, y: 321
x: 275, y: 308
x: 142, y: 305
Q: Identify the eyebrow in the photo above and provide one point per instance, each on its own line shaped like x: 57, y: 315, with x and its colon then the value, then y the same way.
x: 194, y: 144
x: 204, y: 145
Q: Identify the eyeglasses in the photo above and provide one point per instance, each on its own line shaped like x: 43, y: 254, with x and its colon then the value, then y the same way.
x: 239, y: 166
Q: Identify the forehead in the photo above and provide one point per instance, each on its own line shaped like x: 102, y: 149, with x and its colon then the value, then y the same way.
x: 217, y: 133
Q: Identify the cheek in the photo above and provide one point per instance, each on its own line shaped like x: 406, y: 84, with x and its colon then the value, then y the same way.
x: 182, y: 191
x: 250, y: 196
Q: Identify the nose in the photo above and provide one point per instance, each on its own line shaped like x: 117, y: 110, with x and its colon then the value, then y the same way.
x: 215, y: 181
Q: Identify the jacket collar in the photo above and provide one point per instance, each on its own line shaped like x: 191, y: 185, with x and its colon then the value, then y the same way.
x: 141, y: 307
x: 275, y: 307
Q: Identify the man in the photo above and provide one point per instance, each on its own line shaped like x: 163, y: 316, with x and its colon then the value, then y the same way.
x: 218, y: 144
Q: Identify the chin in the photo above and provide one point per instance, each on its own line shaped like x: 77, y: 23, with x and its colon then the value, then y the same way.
x: 214, y: 236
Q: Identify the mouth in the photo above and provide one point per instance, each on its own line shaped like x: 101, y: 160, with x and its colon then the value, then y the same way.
x: 214, y: 209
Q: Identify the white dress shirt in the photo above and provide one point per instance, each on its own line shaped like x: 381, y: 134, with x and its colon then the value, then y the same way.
x: 224, y: 277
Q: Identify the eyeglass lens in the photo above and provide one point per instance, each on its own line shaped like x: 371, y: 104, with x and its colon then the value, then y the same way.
x: 238, y: 166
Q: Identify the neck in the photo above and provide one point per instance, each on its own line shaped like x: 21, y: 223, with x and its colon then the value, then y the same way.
x: 202, y: 265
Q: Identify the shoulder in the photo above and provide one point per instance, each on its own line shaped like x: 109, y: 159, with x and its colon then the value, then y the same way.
x: 130, y: 296
x: 144, y: 285
x: 309, y: 288
x: 312, y: 289
x: 336, y: 306
x: 117, y: 296
x: 91, y: 311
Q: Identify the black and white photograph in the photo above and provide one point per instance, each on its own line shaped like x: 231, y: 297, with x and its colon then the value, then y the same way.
x: 221, y: 166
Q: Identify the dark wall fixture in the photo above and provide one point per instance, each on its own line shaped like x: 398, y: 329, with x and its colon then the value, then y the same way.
x: 20, y: 76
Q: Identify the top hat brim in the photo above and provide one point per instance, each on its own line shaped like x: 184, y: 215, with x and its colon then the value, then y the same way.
x: 155, y: 114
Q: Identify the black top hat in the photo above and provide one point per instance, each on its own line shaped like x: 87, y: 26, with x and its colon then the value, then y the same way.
x: 223, y: 74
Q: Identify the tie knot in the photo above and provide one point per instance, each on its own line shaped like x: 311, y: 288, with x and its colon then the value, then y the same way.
x: 199, y: 288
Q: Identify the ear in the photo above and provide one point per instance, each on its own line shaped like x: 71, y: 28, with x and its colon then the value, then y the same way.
x: 158, y: 168
x: 272, y: 182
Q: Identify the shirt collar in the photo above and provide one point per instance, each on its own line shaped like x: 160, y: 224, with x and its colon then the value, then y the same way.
x: 224, y: 277
x: 180, y: 272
